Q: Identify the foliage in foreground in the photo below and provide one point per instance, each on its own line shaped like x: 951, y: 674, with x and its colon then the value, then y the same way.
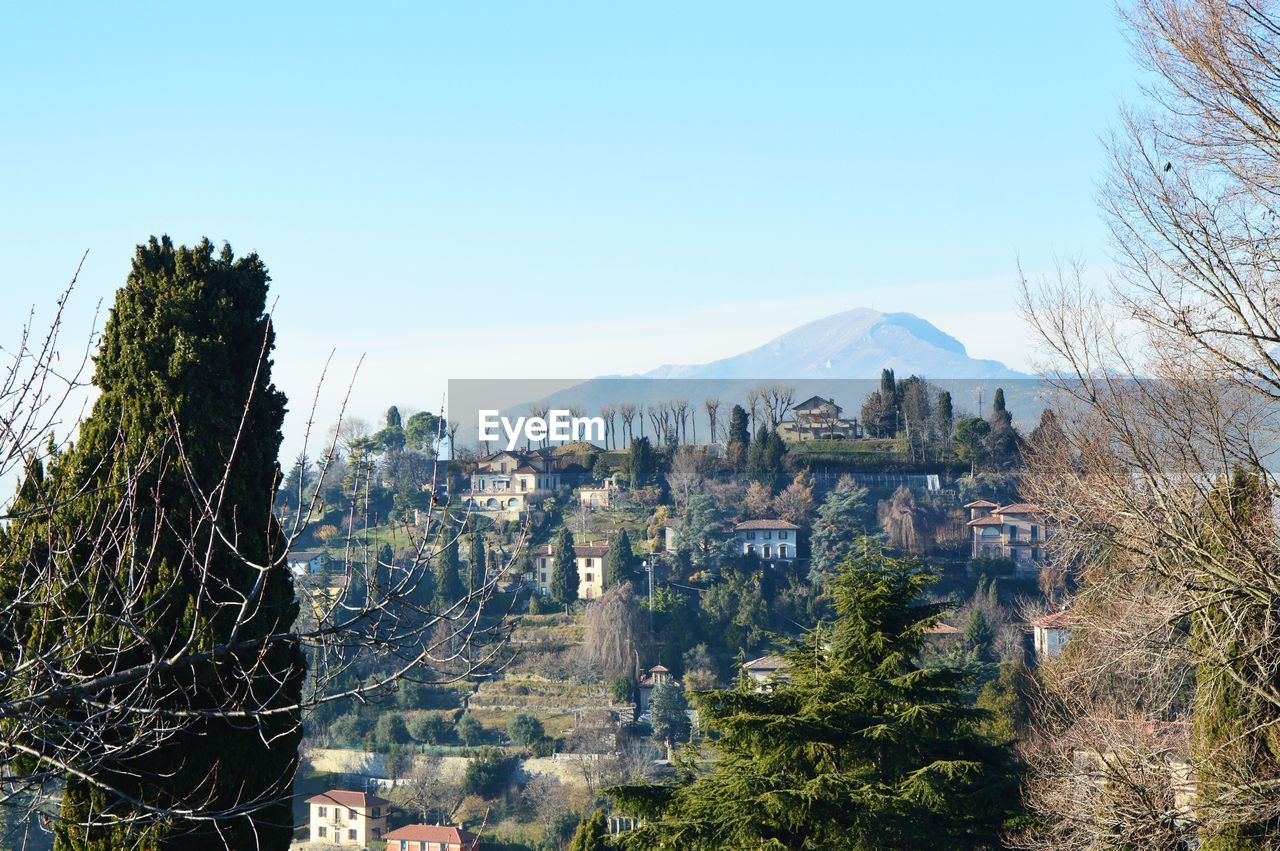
x: 860, y: 747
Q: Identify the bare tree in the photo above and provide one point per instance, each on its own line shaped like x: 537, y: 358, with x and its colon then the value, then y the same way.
x: 778, y: 399
x: 615, y: 632
x: 627, y: 411
x: 712, y: 405
x: 1166, y: 386
x: 688, y: 468
x: 609, y: 414
x: 899, y: 522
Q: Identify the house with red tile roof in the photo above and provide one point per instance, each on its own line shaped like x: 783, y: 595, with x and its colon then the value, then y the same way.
x: 431, y: 837
x: 1050, y: 634
x: 342, y: 817
x: 1018, y: 532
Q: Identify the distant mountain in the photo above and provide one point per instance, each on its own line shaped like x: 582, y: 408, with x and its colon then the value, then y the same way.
x: 839, y: 357
x: 857, y: 343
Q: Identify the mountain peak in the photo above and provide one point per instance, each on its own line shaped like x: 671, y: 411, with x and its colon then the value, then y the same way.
x: 856, y: 343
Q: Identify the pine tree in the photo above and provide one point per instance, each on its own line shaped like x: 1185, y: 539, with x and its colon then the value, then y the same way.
x: 643, y: 462
x: 617, y: 565
x: 842, y: 518
x: 185, y: 355
x: 858, y: 748
x: 564, y: 571
x: 668, y: 709
x: 593, y: 834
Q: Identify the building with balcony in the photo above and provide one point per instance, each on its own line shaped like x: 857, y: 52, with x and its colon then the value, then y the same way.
x: 1018, y: 532
x: 818, y: 419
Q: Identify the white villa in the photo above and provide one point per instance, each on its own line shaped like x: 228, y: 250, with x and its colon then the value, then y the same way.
x: 768, y: 540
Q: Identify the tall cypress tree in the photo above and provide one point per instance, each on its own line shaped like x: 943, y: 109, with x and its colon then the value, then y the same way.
x: 739, y: 432
x: 448, y: 586
x: 859, y: 747
x: 564, y: 571
x: 617, y: 563
x: 479, y: 562
x: 186, y: 403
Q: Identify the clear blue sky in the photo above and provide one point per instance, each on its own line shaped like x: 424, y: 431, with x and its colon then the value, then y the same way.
x: 662, y: 181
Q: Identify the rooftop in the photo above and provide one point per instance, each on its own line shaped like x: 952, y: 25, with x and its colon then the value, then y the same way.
x: 432, y: 833
x: 579, y: 550
x: 1019, y: 508
x: 346, y: 798
x: 1057, y: 620
x: 750, y: 525
x: 765, y: 663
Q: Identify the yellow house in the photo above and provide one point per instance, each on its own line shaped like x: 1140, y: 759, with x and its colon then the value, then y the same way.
x: 340, y: 817
x: 590, y: 560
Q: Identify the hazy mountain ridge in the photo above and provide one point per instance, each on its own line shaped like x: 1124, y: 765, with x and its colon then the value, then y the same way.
x: 856, y: 343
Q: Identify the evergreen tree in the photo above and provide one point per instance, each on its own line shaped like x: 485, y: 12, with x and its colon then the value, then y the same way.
x: 420, y: 431
x: 593, y: 834
x: 1003, y: 441
x: 1003, y: 699
x: 391, y: 438
x: 757, y: 458
x: 1233, y: 742
x: 643, y: 464
x: 448, y: 586
x: 945, y: 416
x: 668, y: 709
x: 739, y: 431
x: 971, y: 441
x: 978, y: 634
x: 617, y: 565
x: 564, y: 570
x: 842, y: 518
x: 888, y: 385
x: 185, y: 355
x: 479, y: 563
x: 858, y: 748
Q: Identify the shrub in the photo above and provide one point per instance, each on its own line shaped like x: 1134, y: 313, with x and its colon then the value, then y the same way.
x: 391, y: 730
x: 992, y: 567
x: 410, y: 695
x: 524, y: 728
x: 470, y: 730
x: 348, y: 730
x: 487, y: 773
x: 620, y: 689
x: 430, y: 729
x: 542, y: 746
